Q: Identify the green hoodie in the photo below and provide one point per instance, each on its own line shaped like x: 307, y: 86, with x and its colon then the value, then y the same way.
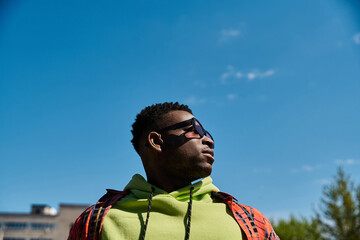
x: 168, y: 215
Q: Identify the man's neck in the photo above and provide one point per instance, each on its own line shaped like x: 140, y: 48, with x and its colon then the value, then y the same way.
x: 168, y: 185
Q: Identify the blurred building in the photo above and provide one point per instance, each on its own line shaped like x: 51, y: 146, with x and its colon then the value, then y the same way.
x: 42, y: 223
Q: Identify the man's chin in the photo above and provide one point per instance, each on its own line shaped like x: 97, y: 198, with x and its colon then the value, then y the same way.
x: 202, y: 173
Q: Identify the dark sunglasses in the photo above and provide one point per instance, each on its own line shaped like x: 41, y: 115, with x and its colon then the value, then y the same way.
x: 199, y: 131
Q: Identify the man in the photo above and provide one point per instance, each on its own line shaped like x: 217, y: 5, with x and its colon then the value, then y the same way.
x: 175, y: 151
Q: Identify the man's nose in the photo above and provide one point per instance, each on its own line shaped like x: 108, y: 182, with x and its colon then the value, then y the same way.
x: 208, y: 141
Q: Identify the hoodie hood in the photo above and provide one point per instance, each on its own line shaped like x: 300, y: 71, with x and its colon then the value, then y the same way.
x: 148, y: 212
x: 141, y: 189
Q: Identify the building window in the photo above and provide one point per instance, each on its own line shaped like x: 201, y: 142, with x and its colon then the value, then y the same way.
x: 41, y: 239
x: 42, y: 226
x: 14, y: 225
x: 10, y: 238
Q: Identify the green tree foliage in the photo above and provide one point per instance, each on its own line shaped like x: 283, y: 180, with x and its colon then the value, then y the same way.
x: 338, y: 219
x: 298, y: 229
x: 340, y: 209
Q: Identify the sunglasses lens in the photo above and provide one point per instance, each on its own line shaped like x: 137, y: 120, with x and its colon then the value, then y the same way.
x: 199, y: 129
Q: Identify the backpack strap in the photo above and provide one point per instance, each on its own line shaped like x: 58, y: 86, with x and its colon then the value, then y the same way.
x: 254, y: 224
x: 89, y: 224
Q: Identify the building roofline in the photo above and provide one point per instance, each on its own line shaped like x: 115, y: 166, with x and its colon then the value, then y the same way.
x: 9, y: 214
x: 61, y: 205
x: 72, y: 205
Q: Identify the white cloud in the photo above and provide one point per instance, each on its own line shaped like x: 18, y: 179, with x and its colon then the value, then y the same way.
x: 227, y: 34
x: 231, y: 96
x: 348, y: 161
x: 257, y: 74
x: 239, y: 75
x: 251, y: 76
x: 305, y: 168
x: 193, y: 100
x: 323, y: 181
x: 357, y: 38
x: 232, y: 73
x: 225, y: 76
x: 268, y: 73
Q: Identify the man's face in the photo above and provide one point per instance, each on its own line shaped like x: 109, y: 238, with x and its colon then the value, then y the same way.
x: 186, y: 159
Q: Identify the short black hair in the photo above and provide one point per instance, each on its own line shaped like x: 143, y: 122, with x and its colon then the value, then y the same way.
x: 146, y: 120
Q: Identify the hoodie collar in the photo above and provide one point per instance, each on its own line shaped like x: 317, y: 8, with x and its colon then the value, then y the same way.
x: 141, y: 189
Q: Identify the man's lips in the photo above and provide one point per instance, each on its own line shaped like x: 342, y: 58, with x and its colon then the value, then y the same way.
x: 209, y: 151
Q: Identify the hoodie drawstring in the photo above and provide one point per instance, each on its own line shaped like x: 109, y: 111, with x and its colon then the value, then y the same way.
x: 187, y: 235
x: 148, y: 214
x: 189, y: 215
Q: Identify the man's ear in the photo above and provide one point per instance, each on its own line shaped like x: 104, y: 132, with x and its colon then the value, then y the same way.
x: 155, y: 141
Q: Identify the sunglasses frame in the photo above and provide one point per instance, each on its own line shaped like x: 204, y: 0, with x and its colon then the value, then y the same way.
x: 185, y: 123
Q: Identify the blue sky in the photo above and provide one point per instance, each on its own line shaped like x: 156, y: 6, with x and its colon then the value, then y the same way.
x: 275, y: 82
